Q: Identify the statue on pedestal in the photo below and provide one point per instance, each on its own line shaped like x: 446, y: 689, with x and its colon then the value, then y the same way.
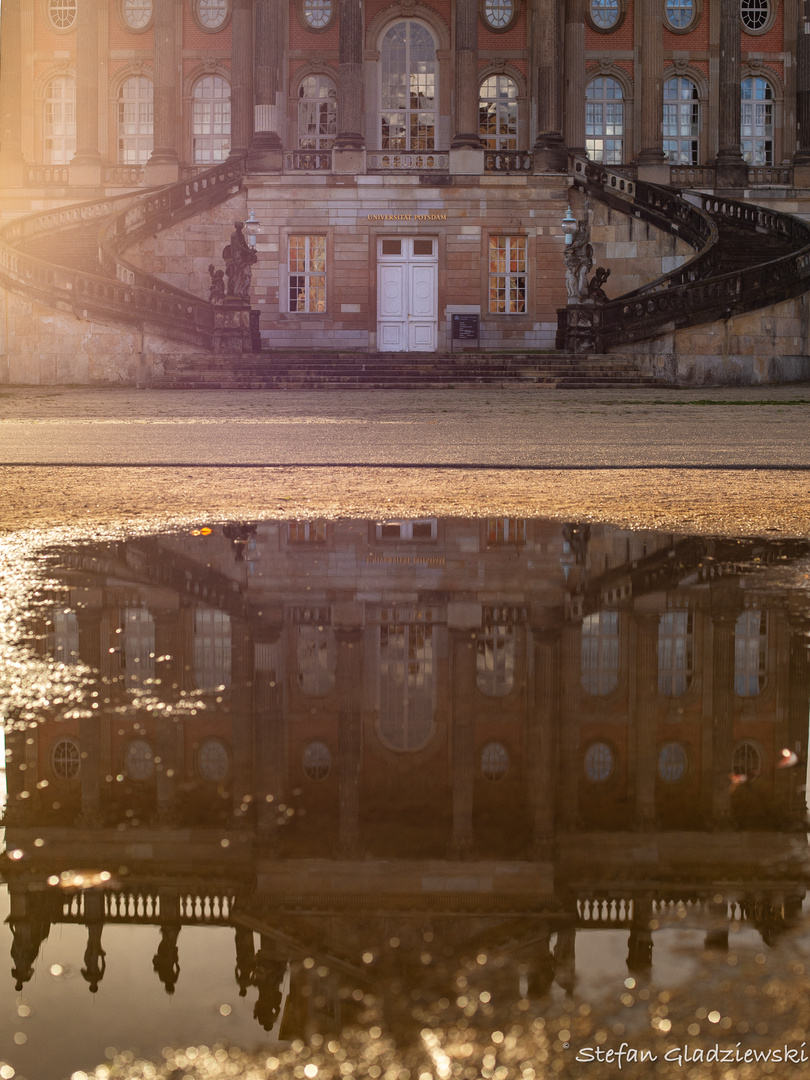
x: 578, y: 262
x: 216, y: 290
x: 239, y: 258
x: 595, y: 290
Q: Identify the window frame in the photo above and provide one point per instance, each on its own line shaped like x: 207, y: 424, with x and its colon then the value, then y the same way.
x: 507, y: 26
x: 697, y: 103
x: 433, y: 138
x: 507, y: 275
x: 697, y: 14
x: 498, y: 101
x: 603, y: 101
x: 52, y: 26
x: 300, y: 11
x: 119, y: 104
x: 198, y: 22
x: 323, y: 142
x: 212, y: 740
x: 767, y: 24
x: 210, y: 135
x: 130, y: 29
x: 67, y: 152
x: 307, y: 274
x: 599, y: 29
x: 772, y: 101
x: 598, y: 745
x: 73, y: 742
x: 495, y: 761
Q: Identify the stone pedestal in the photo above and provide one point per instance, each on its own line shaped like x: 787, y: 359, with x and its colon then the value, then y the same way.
x: 653, y: 172
x: 232, y: 325
x: 160, y: 172
x: 552, y: 157
x: 579, y: 328
x: 467, y: 161
x: 347, y: 162
x: 730, y: 173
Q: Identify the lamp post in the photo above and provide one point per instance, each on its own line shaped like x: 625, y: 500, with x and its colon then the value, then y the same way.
x: 569, y: 226
x: 252, y: 226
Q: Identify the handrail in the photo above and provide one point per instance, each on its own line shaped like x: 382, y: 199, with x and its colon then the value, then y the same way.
x: 128, y: 295
x: 695, y: 292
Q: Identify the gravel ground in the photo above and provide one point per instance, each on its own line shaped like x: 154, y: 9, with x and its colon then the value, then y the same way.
x: 733, y: 461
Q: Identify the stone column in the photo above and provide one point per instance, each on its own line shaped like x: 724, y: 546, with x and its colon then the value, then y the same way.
x: 462, y: 685
x: 789, y: 780
x: 167, y: 633
x: 731, y: 170
x: 271, y: 736
x: 350, y: 739
x: 163, y: 166
x: 85, y: 168
x: 651, y: 160
x: 570, y: 692
x: 801, y: 158
x: 541, y: 743
x: 574, y: 77
x: 89, y: 626
x: 723, y: 626
x: 241, y: 77
x: 645, y: 720
x: 242, y: 715
x: 12, y: 164
x: 268, y: 89
x: 349, y: 148
x: 549, y: 147
x: 466, y: 148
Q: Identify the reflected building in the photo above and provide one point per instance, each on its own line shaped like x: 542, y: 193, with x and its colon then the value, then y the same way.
x: 377, y: 749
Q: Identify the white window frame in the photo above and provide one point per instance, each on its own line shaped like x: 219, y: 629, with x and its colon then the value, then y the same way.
x: 416, y: 530
x: 136, y: 120
x: 508, y: 275
x: 309, y: 279
x: 757, y: 121
x: 210, y: 120
x: 604, y: 121
x: 412, y: 140
x: 682, y: 115
x: 59, y: 121
x: 317, y: 113
x: 498, y: 109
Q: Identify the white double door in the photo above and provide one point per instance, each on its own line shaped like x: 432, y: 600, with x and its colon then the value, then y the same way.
x: 407, y: 303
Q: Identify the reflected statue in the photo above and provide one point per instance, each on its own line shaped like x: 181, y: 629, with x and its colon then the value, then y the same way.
x: 245, y: 959
x: 28, y: 937
x: 166, y: 961
x: 94, y: 958
x: 268, y: 976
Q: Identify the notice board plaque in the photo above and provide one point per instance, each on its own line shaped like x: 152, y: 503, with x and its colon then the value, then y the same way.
x: 465, y: 327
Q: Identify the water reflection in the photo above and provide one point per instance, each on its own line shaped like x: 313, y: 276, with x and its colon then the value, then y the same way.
x: 410, y: 762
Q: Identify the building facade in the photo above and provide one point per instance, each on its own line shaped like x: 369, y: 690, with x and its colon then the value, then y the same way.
x: 405, y: 162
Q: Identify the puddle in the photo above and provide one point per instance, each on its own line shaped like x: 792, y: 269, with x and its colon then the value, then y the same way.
x: 408, y: 799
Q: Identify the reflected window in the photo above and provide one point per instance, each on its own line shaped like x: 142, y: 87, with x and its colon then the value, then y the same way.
x: 317, y: 113
x: 424, y: 529
x: 138, y: 644
x: 598, y: 762
x: 63, y: 638
x: 139, y: 761
x: 210, y: 120
x: 746, y: 760
x: 65, y: 759
x: 408, y: 87
x: 604, y: 120
x: 406, y: 685
x: 681, y: 121
x: 316, y: 761
x: 212, y: 648
x: 674, y: 653
x: 672, y: 763
x: 316, y: 660
x: 494, y: 761
x: 505, y: 530
x: 756, y: 121
x: 498, y: 113
x: 600, y: 652
x: 59, y: 127
x: 495, y: 662
x: 213, y: 762
x: 750, y: 653
x: 306, y: 532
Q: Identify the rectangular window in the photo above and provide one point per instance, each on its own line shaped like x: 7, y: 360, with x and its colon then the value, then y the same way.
x: 307, y: 273
x: 307, y: 532
x: 507, y: 275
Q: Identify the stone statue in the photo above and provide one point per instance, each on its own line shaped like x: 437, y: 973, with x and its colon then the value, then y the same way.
x: 595, y: 290
x: 216, y: 291
x: 578, y: 261
x: 239, y: 257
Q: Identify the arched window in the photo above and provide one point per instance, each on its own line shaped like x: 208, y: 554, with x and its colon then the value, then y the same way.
x: 139, y: 760
x: 213, y: 761
x: 750, y: 653
x: 746, y: 760
x: 672, y: 762
x: 59, y: 128
x: 600, y: 652
x: 756, y: 121
x: 210, y: 120
x: 598, y: 763
x: 680, y: 14
x: 605, y: 14
x: 494, y: 761
x: 408, y: 87
x: 66, y: 759
x: 212, y: 648
x: 407, y: 685
x: 604, y: 120
x: 681, y: 120
x: 674, y: 653
x: 138, y: 644
x: 135, y: 121
x: 495, y: 662
x: 498, y: 113
x: 316, y: 659
x: 317, y: 113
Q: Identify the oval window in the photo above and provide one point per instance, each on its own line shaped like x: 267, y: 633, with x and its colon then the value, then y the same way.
x: 62, y: 13
x: 498, y: 14
x: 598, y: 762
x: 755, y: 15
x: 494, y: 761
x: 212, y: 761
x: 605, y: 14
x: 137, y: 14
x: 672, y: 763
x: 317, y: 13
x: 316, y: 761
x: 139, y: 761
x: 66, y: 759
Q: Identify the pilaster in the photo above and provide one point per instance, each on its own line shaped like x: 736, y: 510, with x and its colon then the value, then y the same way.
x: 731, y: 170
x: 163, y: 167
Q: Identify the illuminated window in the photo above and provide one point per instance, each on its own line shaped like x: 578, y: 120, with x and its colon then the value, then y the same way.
x: 407, y: 685
x: 604, y: 120
x: 317, y: 113
x: 600, y: 652
x: 750, y: 653
x: 680, y: 13
x: 498, y: 113
x: 139, y: 761
x: 213, y: 762
x: 756, y: 121
x: 318, y: 13
x: 598, y: 762
x: 494, y: 761
x: 605, y: 13
x: 211, y: 13
x: 135, y: 121
x: 672, y: 763
x: 137, y: 14
x: 316, y: 761
x: 316, y: 660
x: 307, y: 276
x: 212, y: 648
x: 62, y: 13
x: 65, y: 759
x: 59, y: 129
x: 495, y: 661
x: 681, y: 121
x: 746, y: 760
x: 210, y: 120
x: 507, y: 275
x: 408, y: 87
x: 674, y: 653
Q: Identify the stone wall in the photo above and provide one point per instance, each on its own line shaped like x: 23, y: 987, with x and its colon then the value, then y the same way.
x: 767, y: 346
